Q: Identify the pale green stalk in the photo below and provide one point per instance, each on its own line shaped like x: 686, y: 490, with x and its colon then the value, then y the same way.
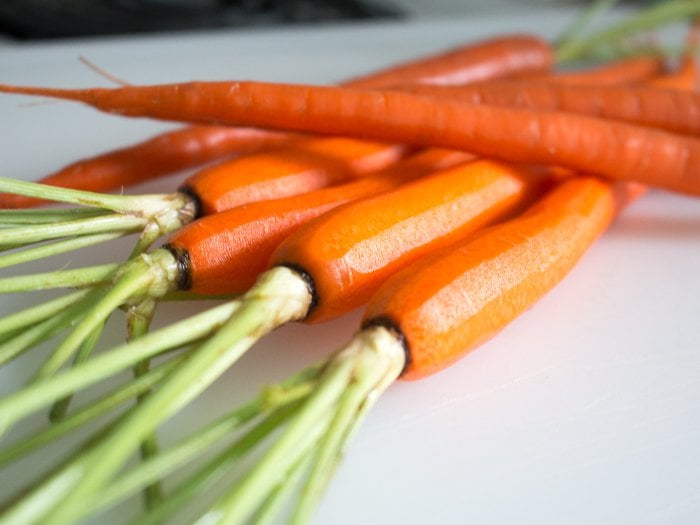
x: 280, y: 294
x: 48, y: 250
x: 19, y: 404
x: 593, y: 10
x: 40, y: 312
x: 90, y: 412
x: 77, y: 278
x: 43, y: 216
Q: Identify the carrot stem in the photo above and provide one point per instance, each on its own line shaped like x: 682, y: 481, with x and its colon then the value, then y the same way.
x: 44, y: 216
x: 55, y: 248
x: 35, y: 314
x: 655, y: 16
x: 574, y: 31
x: 77, y: 278
x: 16, y: 406
x: 90, y: 412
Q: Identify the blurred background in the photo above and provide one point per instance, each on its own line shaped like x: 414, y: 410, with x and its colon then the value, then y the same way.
x: 51, y: 19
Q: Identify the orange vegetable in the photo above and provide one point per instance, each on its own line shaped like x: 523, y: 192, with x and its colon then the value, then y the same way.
x: 582, y: 143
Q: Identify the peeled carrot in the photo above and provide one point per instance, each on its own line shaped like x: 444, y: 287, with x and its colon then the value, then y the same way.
x: 163, y: 154
x: 188, y: 147
x: 304, y: 166
x: 450, y: 303
x: 223, y: 253
x: 578, y: 142
x: 670, y: 110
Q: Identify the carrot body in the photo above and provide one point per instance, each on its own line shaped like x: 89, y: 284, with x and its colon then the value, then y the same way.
x: 347, y: 252
x: 301, y: 167
x: 451, y: 302
x: 492, y: 58
x: 225, y: 252
x: 666, y: 109
x: 189, y: 147
x: 163, y: 154
x: 578, y: 142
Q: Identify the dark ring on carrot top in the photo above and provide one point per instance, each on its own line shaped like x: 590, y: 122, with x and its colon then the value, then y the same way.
x: 387, y: 322
x: 184, y: 266
x: 196, y: 200
x: 310, y: 284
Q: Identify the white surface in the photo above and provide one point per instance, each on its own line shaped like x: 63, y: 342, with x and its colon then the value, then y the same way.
x: 584, y: 410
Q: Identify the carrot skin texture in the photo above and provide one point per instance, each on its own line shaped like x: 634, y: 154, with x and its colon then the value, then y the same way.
x: 351, y: 250
x: 160, y: 155
x: 666, y: 109
x: 227, y: 251
x: 304, y: 166
x: 582, y: 143
x: 451, y: 302
x: 491, y: 58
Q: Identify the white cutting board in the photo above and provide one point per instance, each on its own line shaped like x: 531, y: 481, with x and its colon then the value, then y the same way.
x: 584, y: 410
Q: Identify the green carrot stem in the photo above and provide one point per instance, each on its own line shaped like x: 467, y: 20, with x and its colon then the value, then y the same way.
x: 269, y: 509
x: 138, y: 204
x: 90, y: 412
x: 657, y: 15
x: 48, y: 216
x: 77, y: 278
x: 48, y: 250
x: 40, y: 332
x: 40, y: 312
x: 584, y: 19
x: 16, y: 406
x: 258, y: 313
x: 59, y: 409
x: 23, y: 235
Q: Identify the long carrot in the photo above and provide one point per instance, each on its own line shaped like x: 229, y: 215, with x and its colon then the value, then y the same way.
x: 578, y: 142
x: 189, y: 147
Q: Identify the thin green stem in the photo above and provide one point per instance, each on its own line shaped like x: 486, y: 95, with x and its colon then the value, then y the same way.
x: 89, y: 413
x: 280, y: 296
x: 77, y: 278
x: 115, y: 223
x: 16, y: 406
x: 40, y: 332
x: 80, y: 197
x: 655, y: 16
x: 593, y: 10
x: 59, y: 409
x: 40, y: 312
x: 43, y: 216
x: 269, y: 509
x: 49, y: 250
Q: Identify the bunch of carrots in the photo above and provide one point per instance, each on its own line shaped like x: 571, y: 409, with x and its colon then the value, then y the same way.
x: 444, y: 196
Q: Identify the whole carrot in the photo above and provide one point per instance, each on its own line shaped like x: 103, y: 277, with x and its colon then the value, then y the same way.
x: 612, y: 149
x: 189, y: 147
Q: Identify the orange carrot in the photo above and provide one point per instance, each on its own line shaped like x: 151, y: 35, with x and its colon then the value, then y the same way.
x: 301, y: 167
x: 185, y: 148
x: 658, y: 108
x: 223, y: 253
x: 582, y: 143
x: 493, y: 58
x: 163, y: 154
x: 347, y: 252
x: 450, y: 303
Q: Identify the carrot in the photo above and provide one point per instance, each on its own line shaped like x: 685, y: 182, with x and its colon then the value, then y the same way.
x: 589, y: 144
x: 669, y: 110
x: 487, y: 59
x: 224, y: 252
x: 160, y: 155
x: 189, y: 147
